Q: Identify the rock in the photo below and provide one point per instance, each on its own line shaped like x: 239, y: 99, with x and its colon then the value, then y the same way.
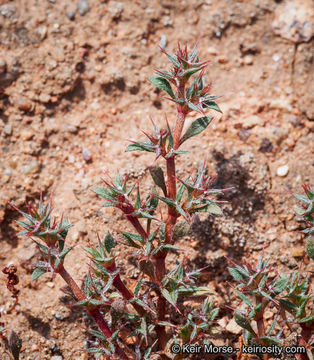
x: 71, y: 128
x: 83, y: 7
x: 222, y: 60
x: 7, y: 129
x: 212, y: 50
x: 61, y: 316
x: 22, y: 103
x: 248, y: 60
x: 26, y: 135
x: 163, y: 41
x: 294, y: 20
x: 233, y: 327
x: 70, y: 15
x: 42, y: 32
x: 45, y: 98
x: 283, y: 170
x: 57, y: 357
x: 115, y: 8
x: 268, y: 314
x: 298, y: 251
x: 87, y: 155
x: 252, y: 121
x: 31, y: 168
x: 7, y: 10
x: 266, y: 146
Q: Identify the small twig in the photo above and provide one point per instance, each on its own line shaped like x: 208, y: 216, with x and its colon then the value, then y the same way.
x: 11, y: 282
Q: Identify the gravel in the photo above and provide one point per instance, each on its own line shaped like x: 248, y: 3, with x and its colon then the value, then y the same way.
x: 7, y: 129
x: 83, y: 7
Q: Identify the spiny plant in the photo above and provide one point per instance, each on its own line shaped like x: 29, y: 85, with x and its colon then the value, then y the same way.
x: 289, y: 298
x: 153, y: 314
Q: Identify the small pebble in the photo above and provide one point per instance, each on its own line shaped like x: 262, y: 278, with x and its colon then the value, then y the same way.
x: 163, y: 41
x: 283, y: 170
x: 212, y: 51
x: 70, y: 15
x: 248, y: 60
x: 276, y: 57
x: 87, y: 155
x: 34, y: 348
x: 59, y: 316
x: 26, y: 135
x: 222, y: 60
x: 71, y: 128
x: 7, y: 129
x: 57, y: 357
x: 32, y: 167
x: 83, y: 7
x: 71, y: 159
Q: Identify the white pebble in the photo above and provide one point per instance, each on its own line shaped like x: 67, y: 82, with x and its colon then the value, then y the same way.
x: 283, y: 170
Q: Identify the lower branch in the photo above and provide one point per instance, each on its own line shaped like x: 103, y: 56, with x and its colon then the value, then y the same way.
x: 95, y: 313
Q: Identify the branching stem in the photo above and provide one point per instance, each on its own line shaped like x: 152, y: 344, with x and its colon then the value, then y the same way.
x: 95, y: 313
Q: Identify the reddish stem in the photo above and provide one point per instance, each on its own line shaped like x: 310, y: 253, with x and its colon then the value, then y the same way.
x: 137, y: 225
x: 125, y: 292
x: 95, y: 313
x: 160, y: 264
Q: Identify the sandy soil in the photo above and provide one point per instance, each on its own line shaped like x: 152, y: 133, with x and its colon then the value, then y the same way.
x: 73, y: 86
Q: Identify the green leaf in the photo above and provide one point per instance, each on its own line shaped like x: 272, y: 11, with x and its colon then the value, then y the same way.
x: 244, y: 298
x: 140, y: 147
x: 310, y: 246
x: 211, y: 208
x: 109, y: 242
x: 194, y: 291
x: 180, y: 193
x: 212, y: 105
x: 281, y: 284
x: 194, y: 107
x: 174, y: 59
x: 197, y: 127
x: 189, y: 72
x: 243, y: 322
x: 131, y: 237
x: 237, y: 274
x: 65, y: 252
x: 162, y: 84
x: 272, y: 326
x: 269, y: 340
x: 167, y: 247
x: 98, y: 334
x: 157, y: 175
x: 168, y: 201
x: 166, y: 294
x: 37, y: 273
x: 103, y: 192
x: 137, y: 287
x: 213, y: 314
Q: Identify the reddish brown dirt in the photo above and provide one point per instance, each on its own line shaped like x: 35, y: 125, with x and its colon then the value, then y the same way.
x: 81, y: 84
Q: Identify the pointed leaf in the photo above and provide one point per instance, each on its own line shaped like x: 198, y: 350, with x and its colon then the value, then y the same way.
x: 109, y: 242
x: 157, y: 175
x: 197, y: 127
x: 37, y: 273
x: 212, y: 105
x: 162, y: 84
